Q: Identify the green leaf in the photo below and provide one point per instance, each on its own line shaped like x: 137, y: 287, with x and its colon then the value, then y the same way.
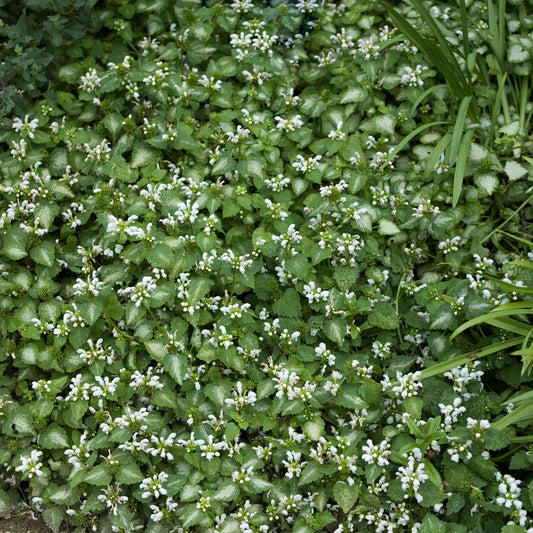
x: 49, y: 311
x: 455, y: 503
x: 98, y: 476
x: 431, y: 524
x: 460, y: 165
x: 310, y: 473
x: 176, y: 366
x: 383, y: 316
x: 143, y: 154
x: 313, y: 428
x: 288, y: 304
x: 134, y: 313
x: 496, y: 440
x: 253, y: 167
x: 353, y: 94
x: 113, y: 123
x: 198, y: 288
x: 129, y: 474
x: 192, y: 516
x: 44, y: 254
x: 77, y: 409
x: 349, y: 398
x: 458, y: 130
x: 433, y: 474
x: 227, y: 492
x: 225, y: 163
x: 54, y: 438
x: 162, y: 294
x: 345, y: 495
x: 346, y: 277
x: 297, y: 266
x: 487, y: 182
x: 53, y: 515
x: 161, y: 256
x: 91, y: 311
x: 63, y: 495
x: 156, y: 349
x: 514, y: 170
x: 42, y: 408
x: 218, y: 392
x: 318, y: 254
x: 258, y: 485
x: 265, y: 388
x: 335, y: 330
x: 15, y: 242
x: 23, y: 423
x: 29, y: 354
x: 387, y: 227
x: 165, y: 398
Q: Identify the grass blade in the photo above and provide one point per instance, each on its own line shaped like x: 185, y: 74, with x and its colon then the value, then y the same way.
x: 414, y: 133
x: 524, y: 99
x: 515, y: 305
x: 494, y: 30
x: 496, y: 107
x: 460, y: 360
x: 460, y: 165
x: 509, y: 324
x: 524, y: 397
x: 436, y: 153
x: 445, y: 47
x: 436, y: 56
x: 519, y: 239
x: 464, y: 25
x: 423, y: 96
x: 522, y: 412
x: 493, y: 316
x: 458, y: 129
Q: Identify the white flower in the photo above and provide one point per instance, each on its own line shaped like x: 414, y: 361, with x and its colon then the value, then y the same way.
x: 105, y: 387
x: 153, y: 486
x: 31, y: 464
x: 90, y: 81
x: 212, y: 449
x: 25, y: 127
x: 112, y: 498
x: 377, y: 454
x: 240, y: 263
x: 413, y: 78
x: 509, y: 491
x: 411, y: 478
x: 307, y: 6
x: 241, y: 398
x: 78, y: 453
x: 306, y: 165
x: 242, y: 6
x: 337, y: 134
x: 314, y: 293
x: 162, y: 446
x: 294, y: 464
x: 289, y: 124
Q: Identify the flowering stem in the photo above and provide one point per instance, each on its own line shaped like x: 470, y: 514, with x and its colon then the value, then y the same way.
x: 512, y: 215
x: 159, y: 328
x: 116, y: 328
x: 398, y: 305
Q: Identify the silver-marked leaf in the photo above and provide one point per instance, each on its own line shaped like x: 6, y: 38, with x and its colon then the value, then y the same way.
x: 55, y: 437
x: 176, y: 366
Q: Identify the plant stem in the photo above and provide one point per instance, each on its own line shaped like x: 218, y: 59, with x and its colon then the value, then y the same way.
x: 523, y: 204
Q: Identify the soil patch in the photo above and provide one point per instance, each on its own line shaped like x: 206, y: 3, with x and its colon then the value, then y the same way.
x: 25, y: 524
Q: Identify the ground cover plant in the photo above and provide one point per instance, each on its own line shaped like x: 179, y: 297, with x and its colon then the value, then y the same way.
x: 236, y: 241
